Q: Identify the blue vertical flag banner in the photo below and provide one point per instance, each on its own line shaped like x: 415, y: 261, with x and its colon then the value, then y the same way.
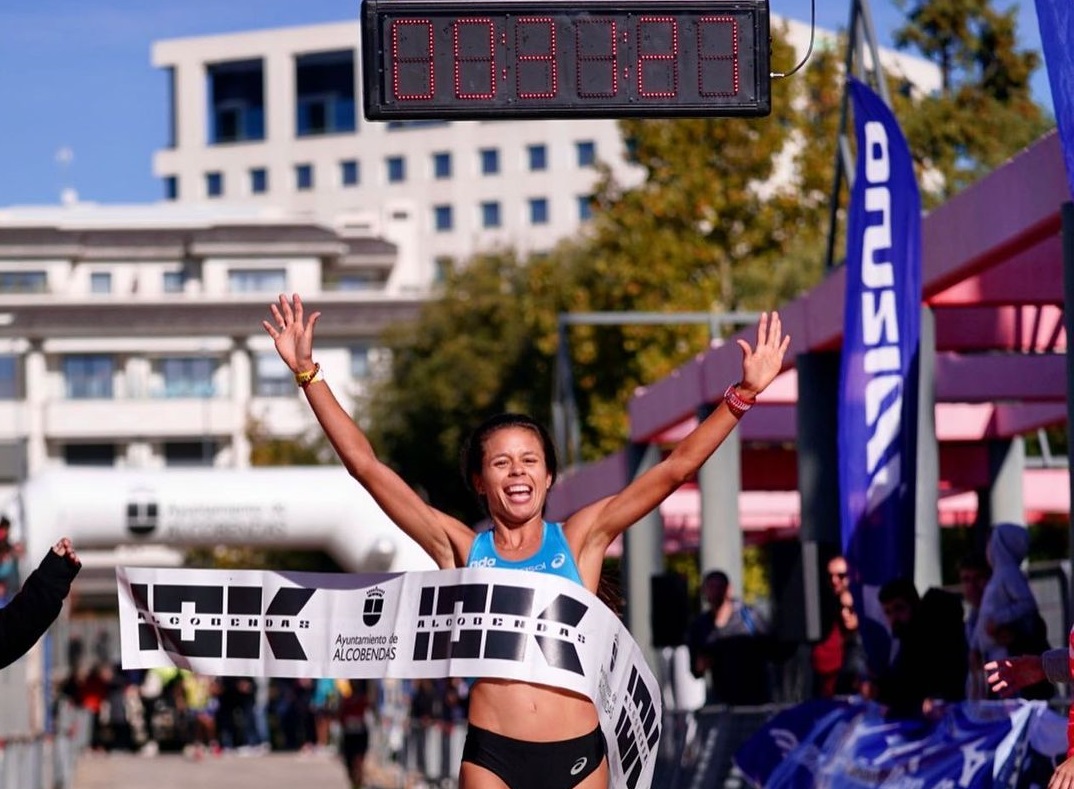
x: 1056, y: 18
x: 878, y: 386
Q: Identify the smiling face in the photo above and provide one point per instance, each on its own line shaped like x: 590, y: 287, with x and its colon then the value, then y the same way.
x: 514, y: 478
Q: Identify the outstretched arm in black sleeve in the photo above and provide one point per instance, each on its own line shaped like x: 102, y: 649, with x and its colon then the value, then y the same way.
x: 26, y: 618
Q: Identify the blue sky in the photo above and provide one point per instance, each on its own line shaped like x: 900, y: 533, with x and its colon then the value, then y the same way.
x: 75, y: 75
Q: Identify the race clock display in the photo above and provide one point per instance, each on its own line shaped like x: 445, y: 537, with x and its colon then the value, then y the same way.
x: 444, y: 59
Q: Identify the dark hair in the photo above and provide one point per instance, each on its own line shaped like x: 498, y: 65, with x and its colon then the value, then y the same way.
x: 472, y: 454
x: 722, y: 581
x: 899, y: 589
x: 717, y: 575
x: 975, y: 560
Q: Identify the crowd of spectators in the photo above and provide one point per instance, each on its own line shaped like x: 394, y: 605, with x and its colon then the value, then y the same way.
x: 940, y: 639
x: 173, y: 710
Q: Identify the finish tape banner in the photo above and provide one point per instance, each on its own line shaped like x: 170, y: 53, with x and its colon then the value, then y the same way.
x: 468, y: 622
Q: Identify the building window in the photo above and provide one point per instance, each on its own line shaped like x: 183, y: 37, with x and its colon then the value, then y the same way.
x: 359, y: 280
x: 443, y: 266
x: 214, y: 184
x: 258, y: 180
x: 236, y: 102
x: 360, y: 361
x: 442, y: 165
x: 587, y: 153
x: 272, y: 378
x: 171, y: 187
x: 538, y: 157
x: 88, y: 376
x: 585, y: 207
x: 324, y: 103
x: 23, y: 282
x: 89, y: 454
x: 349, y: 174
x: 396, y: 169
x: 490, y: 214
x: 303, y: 177
x: 174, y: 281
x: 490, y: 161
x: 100, y: 282
x: 539, y: 211
x: 187, y: 376
x: 9, y: 380
x: 443, y: 220
x: 169, y: 76
x: 251, y: 280
x: 188, y: 454
x: 403, y: 125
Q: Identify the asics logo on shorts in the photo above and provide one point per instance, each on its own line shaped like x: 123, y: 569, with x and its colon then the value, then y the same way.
x: 579, y: 766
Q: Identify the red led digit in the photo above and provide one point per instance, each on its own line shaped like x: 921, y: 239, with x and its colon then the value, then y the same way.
x: 413, y: 78
x: 717, y: 56
x: 535, y: 58
x: 658, y: 57
x: 474, y: 49
x: 596, y: 45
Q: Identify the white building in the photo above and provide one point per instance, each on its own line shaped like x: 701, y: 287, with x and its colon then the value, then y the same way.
x: 273, y: 118
x: 132, y: 337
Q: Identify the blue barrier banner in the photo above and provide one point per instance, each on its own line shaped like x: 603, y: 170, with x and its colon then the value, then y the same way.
x: 1056, y: 19
x: 844, y: 745
x: 879, y: 369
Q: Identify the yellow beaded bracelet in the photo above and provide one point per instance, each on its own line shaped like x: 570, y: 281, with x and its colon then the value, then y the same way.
x: 306, y: 377
x: 318, y: 377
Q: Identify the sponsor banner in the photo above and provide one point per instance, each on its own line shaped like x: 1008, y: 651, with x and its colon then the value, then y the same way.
x: 1056, y: 20
x: 826, y: 744
x: 468, y: 622
x: 879, y: 368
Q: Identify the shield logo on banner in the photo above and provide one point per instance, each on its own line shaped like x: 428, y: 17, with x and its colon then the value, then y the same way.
x: 373, y: 607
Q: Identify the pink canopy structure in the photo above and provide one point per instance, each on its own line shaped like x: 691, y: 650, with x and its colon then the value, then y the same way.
x: 993, y: 277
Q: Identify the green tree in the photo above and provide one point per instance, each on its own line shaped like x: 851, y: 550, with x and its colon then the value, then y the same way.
x: 983, y: 76
x: 484, y: 347
x: 729, y: 217
x: 269, y: 450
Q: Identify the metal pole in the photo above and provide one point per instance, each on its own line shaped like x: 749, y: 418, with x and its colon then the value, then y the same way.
x: 928, y: 569
x: 860, y: 34
x: 842, y: 168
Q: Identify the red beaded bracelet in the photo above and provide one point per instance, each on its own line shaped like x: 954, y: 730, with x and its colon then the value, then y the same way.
x: 735, y: 404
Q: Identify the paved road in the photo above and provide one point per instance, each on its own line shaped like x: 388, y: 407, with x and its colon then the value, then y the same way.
x: 269, y: 771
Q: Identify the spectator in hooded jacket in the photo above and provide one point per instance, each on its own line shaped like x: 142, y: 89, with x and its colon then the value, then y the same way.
x: 1008, y: 606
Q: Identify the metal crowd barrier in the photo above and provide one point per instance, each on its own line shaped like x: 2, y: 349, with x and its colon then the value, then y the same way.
x: 46, y: 760
x: 433, y: 753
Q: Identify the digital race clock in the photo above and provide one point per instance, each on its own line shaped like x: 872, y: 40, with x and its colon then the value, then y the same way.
x: 444, y: 59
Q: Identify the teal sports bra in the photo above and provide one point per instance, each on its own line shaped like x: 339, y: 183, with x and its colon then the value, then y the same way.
x: 553, y: 557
